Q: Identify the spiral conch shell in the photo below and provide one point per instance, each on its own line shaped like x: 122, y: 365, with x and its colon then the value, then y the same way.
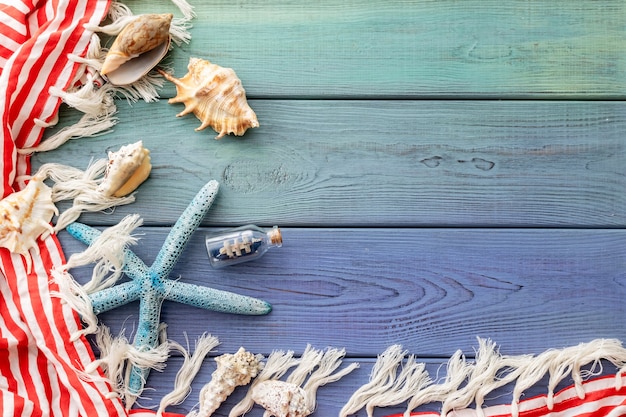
x: 137, y: 48
x: 215, y: 95
x: 126, y: 170
x: 25, y: 215
x: 232, y: 371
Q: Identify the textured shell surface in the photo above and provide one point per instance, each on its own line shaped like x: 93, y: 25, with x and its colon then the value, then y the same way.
x: 127, y: 169
x: 239, y: 367
x: 26, y: 215
x: 280, y: 399
x: 232, y: 370
x: 215, y: 96
x: 137, y: 48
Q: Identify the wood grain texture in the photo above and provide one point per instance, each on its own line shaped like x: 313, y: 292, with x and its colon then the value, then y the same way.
x: 420, y: 48
x: 387, y: 163
x: 421, y: 202
x: 431, y: 290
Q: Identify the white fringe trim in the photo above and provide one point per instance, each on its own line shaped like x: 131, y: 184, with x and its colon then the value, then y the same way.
x: 469, y: 382
x: 322, y: 374
x: 96, y: 98
x: 107, y: 252
x: 188, y: 371
x: 81, y: 187
x: 113, y: 353
x: 412, y: 378
x: 381, y: 380
x: 457, y: 372
x: 118, y: 356
x: 75, y: 296
x: 276, y: 365
x: 185, y: 8
x: 314, y: 369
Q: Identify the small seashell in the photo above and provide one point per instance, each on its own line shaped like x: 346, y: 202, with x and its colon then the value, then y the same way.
x: 138, y: 48
x: 215, y: 95
x: 126, y: 170
x: 232, y: 371
x: 26, y: 215
x: 281, y: 399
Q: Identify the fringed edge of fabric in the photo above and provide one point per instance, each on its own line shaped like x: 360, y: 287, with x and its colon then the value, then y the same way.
x: 313, y: 369
x: 188, y: 371
x: 92, y: 95
x: 118, y: 356
x: 276, y: 365
x: 394, y: 381
x: 107, y: 252
x: 82, y: 187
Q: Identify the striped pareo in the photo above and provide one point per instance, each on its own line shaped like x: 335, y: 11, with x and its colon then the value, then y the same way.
x: 40, y: 368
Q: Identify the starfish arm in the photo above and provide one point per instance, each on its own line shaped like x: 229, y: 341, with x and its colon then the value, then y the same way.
x: 83, y: 233
x: 147, y: 336
x: 152, y: 285
x: 133, y: 266
x: 188, y: 222
x: 216, y: 300
x: 116, y: 296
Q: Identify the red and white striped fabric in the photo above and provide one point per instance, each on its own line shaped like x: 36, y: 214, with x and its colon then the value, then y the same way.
x: 602, y: 399
x: 39, y: 366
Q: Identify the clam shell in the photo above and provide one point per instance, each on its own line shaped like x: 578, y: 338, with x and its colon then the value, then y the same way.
x: 26, y: 215
x: 126, y: 170
x: 215, y: 96
x: 138, y: 48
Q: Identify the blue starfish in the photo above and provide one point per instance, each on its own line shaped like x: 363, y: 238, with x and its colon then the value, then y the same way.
x: 151, y: 285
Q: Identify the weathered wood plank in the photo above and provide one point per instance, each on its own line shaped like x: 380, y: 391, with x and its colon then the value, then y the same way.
x: 393, y: 163
x: 431, y: 290
x: 479, y: 48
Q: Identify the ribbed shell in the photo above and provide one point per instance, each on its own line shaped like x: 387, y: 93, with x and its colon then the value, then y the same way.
x: 216, y: 97
x: 26, y: 215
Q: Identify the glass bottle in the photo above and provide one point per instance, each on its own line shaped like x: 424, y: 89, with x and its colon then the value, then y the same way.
x: 242, y: 244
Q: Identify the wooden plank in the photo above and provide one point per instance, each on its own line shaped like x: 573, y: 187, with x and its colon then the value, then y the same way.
x: 432, y: 290
x: 364, y: 48
x: 390, y: 163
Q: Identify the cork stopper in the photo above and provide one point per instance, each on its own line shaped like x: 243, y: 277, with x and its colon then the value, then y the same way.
x: 275, y: 237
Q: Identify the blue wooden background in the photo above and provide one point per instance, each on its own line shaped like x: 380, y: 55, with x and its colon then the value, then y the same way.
x: 441, y: 170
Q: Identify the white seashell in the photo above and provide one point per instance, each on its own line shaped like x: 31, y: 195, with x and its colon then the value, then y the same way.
x: 232, y: 371
x: 126, y: 170
x: 215, y: 95
x: 26, y: 215
x: 138, y: 48
x: 281, y: 399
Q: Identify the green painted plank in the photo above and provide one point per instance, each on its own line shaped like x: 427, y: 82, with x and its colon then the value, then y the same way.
x: 364, y: 48
x: 431, y: 290
x: 394, y: 163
